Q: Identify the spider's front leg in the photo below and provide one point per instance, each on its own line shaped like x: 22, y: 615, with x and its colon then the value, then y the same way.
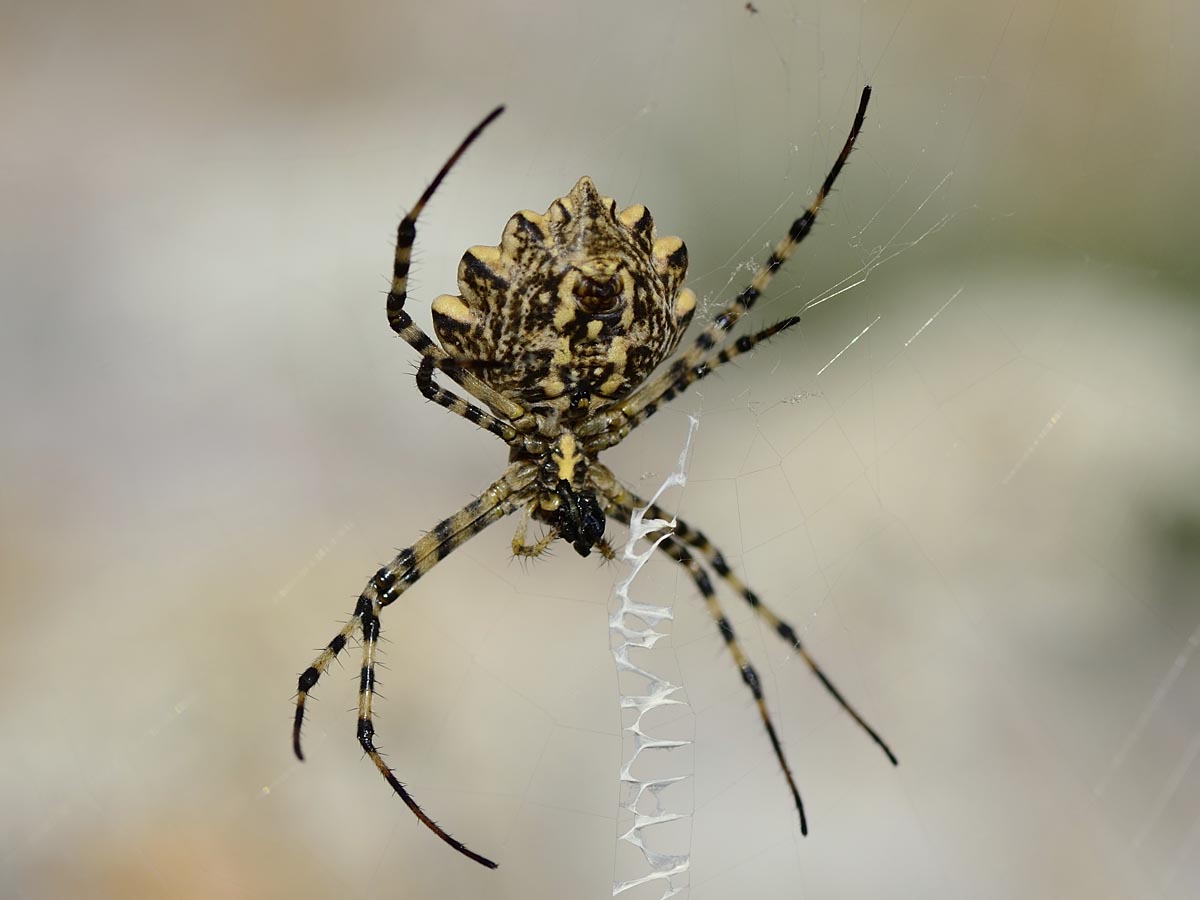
x: 679, y: 546
x: 684, y: 534
x: 621, y: 506
x: 500, y: 499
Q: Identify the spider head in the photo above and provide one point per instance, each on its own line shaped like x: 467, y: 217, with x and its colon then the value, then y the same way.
x: 578, y: 518
x: 581, y: 303
x: 565, y: 501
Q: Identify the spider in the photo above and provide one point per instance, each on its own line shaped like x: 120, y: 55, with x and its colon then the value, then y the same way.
x: 557, y: 331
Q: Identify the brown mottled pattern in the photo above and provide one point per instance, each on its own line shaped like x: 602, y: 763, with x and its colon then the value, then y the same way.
x: 534, y: 331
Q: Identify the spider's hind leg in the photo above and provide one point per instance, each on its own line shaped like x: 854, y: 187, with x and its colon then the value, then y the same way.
x: 612, y: 427
x: 799, y: 230
x: 698, y: 359
x: 460, y: 407
x: 403, y: 324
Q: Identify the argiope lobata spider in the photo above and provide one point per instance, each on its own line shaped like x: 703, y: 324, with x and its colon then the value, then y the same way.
x: 557, y: 331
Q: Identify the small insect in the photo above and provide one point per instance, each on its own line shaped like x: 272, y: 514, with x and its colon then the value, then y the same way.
x: 752, y: 9
x: 557, y: 332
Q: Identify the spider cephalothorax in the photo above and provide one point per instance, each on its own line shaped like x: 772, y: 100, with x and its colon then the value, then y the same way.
x: 557, y: 331
x: 564, y: 499
x: 577, y: 518
x: 573, y: 309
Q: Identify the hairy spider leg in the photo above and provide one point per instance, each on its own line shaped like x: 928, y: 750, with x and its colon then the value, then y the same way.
x: 677, y: 545
x: 402, y: 323
x: 742, y: 345
x: 406, y: 567
x: 498, y: 500
x: 679, y: 553
x: 393, y: 579
x: 744, y: 302
x: 697, y: 541
x: 366, y: 687
x: 622, y: 504
x: 460, y: 407
x: 725, y: 320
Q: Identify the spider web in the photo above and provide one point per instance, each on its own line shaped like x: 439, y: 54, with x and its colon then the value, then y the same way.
x: 968, y: 477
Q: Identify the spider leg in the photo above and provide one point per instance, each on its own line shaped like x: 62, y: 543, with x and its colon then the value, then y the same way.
x: 727, y: 318
x: 459, y: 406
x: 697, y: 541
x: 679, y: 553
x: 310, y: 676
x: 622, y: 503
x: 402, y: 323
x: 678, y: 545
x: 605, y: 438
x: 694, y: 356
x: 407, y: 567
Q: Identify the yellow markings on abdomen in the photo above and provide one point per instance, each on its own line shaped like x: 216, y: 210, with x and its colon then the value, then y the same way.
x: 489, y: 255
x: 452, y: 307
x: 562, y: 352
x: 664, y: 248
x: 617, y: 357
x: 565, y: 312
x: 685, y: 302
x: 631, y: 215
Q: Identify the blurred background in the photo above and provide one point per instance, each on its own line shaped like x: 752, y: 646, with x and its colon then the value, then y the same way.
x: 970, y: 477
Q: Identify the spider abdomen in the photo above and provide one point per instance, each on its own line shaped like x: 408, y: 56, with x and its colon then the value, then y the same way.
x: 573, y: 308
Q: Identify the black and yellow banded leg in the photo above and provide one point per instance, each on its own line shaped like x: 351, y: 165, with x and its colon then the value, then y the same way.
x: 460, y: 407
x: 366, y: 684
x: 697, y: 541
x: 679, y: 553
x: 409, y: 565
x: 406, y: 236
x: 402, y: 323
x: 681, y: 543
x: 727, y: 318
x: 724, y: 321
x: 391, y: 580
x: 612, y: 428
x: 405, y: 569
